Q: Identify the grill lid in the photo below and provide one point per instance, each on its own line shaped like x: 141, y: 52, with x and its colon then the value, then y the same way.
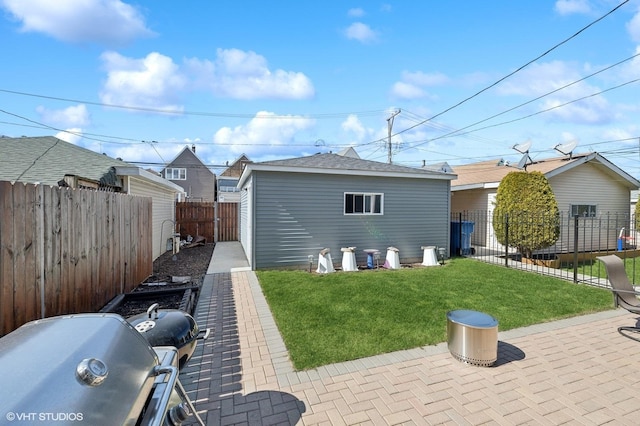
x: 168, y: 327
x: 91, y: 367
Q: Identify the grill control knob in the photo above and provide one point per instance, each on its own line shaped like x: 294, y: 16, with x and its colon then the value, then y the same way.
x: 92, y: 371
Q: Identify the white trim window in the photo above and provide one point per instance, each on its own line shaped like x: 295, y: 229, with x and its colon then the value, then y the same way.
x: 583, y: 210
x: 363, y: 203
x: 174, y: 173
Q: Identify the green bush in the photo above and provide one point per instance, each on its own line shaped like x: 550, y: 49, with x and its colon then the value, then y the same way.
x: 526, y: 207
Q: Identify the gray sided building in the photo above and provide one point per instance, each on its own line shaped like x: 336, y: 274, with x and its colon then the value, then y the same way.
x: 291, y: 209
x: 189, y: 172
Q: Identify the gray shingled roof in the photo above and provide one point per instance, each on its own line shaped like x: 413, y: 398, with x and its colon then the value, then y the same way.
x: 47, y: 159
x: 338, y: 162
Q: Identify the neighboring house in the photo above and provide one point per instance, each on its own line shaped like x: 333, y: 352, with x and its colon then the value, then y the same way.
x: 51, y: 161
x: 228, y: 191
x: 190, y: 173
x: 291, y: 209
x: 587, y: 185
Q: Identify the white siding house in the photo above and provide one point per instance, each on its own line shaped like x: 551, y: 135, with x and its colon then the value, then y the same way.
x: 588, y: 185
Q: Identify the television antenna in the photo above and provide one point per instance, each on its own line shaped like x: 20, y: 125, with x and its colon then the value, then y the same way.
x: 566, y: 148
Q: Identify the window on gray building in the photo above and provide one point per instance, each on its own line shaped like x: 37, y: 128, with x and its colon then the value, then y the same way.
x: 363, y: 203
x: 174, y: 173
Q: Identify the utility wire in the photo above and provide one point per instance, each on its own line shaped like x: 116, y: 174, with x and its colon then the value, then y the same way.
x: 459, y: 132
x: 545, y: 95
x: 516, y: 71
x: 201, y: 113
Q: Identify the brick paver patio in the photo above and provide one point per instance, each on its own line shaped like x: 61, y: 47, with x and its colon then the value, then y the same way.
x: 577, y: 371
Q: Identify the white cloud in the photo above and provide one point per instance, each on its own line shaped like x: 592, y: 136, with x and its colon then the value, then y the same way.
x: 425, y: 79
x: 569, y: 7
x: 360, y: 32
x: 245, y: 75
x: 412, y: 84
x: 633, y: 28
x: 594, y: 110
x: 100, y: 21
x: 402, y: 90
x: 354, y: 126
x: 70, y: 116
x: 542, y: 78
x: 354, y: 132
x: 152, y: 82
x: 356, y: 12
x: 71, y: 135
x: 265, y: 133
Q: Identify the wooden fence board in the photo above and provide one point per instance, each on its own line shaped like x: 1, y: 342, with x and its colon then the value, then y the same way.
x: 31, y: 265
x: 19, y: 263
x: 6, y: 255
x: 228, y: 221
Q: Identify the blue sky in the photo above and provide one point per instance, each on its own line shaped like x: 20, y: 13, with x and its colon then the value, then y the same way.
x: 140, y: 80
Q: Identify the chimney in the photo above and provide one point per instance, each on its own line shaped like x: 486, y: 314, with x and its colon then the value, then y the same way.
x: 424, y: 163
x: 193, y: 148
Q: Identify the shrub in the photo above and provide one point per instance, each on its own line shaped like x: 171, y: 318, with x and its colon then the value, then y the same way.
x: 526, y: 207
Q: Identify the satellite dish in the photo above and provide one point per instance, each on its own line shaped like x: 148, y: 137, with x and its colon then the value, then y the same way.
x: 523, y: 147
x: 566, y: 148
x: 524, y: 161
x: 320, y: 142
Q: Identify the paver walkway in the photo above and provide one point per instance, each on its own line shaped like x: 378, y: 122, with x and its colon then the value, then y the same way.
x: 577, y: 371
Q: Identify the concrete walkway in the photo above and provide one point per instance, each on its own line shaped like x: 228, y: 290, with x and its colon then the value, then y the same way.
x: 578, y: 371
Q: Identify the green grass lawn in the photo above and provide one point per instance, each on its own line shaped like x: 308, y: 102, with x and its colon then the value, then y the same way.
x: 348, y: 315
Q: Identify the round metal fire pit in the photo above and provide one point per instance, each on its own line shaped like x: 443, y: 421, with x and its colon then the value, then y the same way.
x: 472, y: 337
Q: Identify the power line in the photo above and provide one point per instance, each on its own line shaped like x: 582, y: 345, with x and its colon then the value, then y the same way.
x: 457, y: 132
x: 547, y: 94
x: 517, y: 70
x: 202, y: 113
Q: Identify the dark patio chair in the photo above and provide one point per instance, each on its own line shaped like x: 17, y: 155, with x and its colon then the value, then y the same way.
x: 624, y: 294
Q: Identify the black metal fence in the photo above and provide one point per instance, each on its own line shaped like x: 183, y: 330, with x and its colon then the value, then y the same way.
x: 573, y: 254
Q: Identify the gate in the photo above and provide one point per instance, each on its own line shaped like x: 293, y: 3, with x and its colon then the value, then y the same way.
x: 228, y: 221
x: 195, y: 219
x: 199, y: 218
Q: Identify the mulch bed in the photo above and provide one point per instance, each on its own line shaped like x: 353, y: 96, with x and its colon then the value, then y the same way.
x: 190, y: 262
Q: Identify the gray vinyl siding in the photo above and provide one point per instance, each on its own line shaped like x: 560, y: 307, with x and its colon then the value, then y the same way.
x: 200, y: 184
x: 296, y: 215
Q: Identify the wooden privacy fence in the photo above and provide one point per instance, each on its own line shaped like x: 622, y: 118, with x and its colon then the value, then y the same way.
x: 68, y: 251
x: 195, y: 218
x: 199, y: 218
x: 227, y: 221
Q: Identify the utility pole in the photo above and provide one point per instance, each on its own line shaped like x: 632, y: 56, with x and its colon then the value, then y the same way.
x: 389, y: 127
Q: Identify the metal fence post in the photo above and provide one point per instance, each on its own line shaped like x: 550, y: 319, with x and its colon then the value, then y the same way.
x: 575, y: 249
x: 506, y: 240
